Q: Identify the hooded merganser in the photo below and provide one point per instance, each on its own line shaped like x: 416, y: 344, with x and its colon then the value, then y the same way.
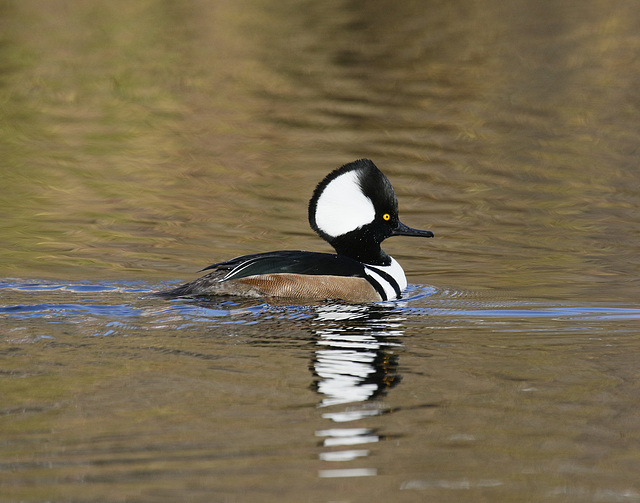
x: 354, y: 209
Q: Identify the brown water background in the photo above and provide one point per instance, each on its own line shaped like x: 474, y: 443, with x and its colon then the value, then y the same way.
x: 143, y: 140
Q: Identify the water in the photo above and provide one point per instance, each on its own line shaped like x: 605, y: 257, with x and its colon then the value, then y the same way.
x: 141, y: 141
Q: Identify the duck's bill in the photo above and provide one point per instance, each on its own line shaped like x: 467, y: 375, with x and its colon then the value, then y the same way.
x: 403, y: 230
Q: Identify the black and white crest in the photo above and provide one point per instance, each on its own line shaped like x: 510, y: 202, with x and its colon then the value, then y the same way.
x: 350, y: 198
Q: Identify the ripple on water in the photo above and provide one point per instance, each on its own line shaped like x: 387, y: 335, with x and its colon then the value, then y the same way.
x: 55, y: 301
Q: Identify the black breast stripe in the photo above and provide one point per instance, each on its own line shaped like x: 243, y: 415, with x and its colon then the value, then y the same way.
x: 377, y: 286
x: 388, y: 278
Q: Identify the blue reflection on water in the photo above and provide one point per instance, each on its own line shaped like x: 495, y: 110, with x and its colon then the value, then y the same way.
x: 417, y: 303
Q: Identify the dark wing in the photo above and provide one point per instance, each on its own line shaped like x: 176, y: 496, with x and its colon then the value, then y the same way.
x: 289, y: 261
x: 266, y: 264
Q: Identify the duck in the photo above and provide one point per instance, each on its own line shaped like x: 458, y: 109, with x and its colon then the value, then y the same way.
x: 354, y: 208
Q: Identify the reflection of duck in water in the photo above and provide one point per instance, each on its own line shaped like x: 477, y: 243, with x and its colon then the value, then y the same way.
x: 354, y: 209
x: 355, y: 360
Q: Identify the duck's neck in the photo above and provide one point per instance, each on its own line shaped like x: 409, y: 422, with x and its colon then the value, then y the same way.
x: 368, y: 253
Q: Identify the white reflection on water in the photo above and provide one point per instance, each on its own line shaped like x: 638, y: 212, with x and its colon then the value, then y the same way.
x: 344, y: 455
x: 350, y: 356
x: 342, y: 374
x: 354, y: 363
x: 347, y: 436
x: 348, y: 472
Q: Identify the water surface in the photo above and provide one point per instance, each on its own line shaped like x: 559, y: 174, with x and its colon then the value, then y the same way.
x: 141, y: 141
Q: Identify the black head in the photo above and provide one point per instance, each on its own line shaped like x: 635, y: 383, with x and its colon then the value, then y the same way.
x: 354, y: 209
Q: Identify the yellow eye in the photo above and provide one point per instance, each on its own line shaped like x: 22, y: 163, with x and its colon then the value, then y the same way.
x: 386, y: 216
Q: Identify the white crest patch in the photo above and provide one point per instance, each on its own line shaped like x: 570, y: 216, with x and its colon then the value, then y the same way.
x: 342, y: 207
